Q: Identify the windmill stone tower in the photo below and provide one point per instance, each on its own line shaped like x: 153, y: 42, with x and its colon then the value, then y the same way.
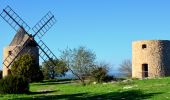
x: 30, y: 48
x: 24, y: 42
x: 150, y: 58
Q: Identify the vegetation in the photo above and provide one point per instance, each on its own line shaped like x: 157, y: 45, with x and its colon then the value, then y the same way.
x: 151, y: 89
x: 80, y: 62
x: 126, y: 68
x: 50, y: 71
x: 100, y: 73
x: 14, y: 85
x: 26, y: 66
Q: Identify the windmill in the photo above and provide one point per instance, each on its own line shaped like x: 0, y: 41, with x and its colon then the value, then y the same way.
x: 23, y: 41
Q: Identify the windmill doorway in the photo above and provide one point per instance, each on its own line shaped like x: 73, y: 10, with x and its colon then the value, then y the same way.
x: 144, y: 70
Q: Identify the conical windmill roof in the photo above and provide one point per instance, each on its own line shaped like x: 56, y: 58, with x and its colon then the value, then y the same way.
x: 19, y: 37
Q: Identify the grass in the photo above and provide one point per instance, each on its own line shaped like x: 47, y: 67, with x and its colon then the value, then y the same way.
x: 151, y: 89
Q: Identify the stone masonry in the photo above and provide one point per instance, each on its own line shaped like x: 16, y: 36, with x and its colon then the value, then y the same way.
x: 30, y: 48
x: 150, y: 58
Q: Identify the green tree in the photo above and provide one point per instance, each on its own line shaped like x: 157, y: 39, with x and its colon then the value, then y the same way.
x: 80, y: 61
x: 126, y: 68
x: 26, y: 66
x: 50, y: 71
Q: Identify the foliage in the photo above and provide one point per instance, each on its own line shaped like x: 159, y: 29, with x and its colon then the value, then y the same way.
x: 0, y: 74
x: 14, y: 85
x: 109, y: 78
x: 126, y: 68
x: 50, y: 71
x: 100, y: 73
x: 80, y: 61
x: 27, y: 66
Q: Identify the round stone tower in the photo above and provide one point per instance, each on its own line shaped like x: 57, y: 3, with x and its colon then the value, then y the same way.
x: 150, y: 58
x: 30, y: 48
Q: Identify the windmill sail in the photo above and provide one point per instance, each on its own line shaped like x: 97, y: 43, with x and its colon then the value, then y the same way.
x: 39, y: 30
x: 19, y: 41
x: 13, y: 19
x: 44, y: 25
x: 21, y: 27
x: 45, y: 53
x: 22, y: 39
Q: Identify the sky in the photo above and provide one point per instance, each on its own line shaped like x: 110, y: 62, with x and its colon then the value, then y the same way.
x: 107, y: 27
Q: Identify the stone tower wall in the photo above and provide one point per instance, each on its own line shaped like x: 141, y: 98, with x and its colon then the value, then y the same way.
x: 155, y: 53
x: 33, y: 50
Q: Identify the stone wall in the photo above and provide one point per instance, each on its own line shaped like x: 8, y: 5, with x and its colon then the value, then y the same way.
x: 32, y: 50
x: 155, y: 53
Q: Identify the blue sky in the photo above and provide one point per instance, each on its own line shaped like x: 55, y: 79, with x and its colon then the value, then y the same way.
x: 107, y: 27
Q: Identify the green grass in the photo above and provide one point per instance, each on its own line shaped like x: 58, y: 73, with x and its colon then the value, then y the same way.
x: 151, y: 89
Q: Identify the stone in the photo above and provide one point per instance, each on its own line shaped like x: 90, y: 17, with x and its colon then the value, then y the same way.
x: 150, y: 58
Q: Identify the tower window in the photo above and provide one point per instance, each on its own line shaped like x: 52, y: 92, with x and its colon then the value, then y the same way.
x: 144, y: 46
x: 9, y: 52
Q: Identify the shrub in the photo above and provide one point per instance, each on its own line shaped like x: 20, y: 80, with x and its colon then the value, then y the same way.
x: 27, y: 66
x: 109, y: 78
x: 99, y: 74
x: 14, y: 85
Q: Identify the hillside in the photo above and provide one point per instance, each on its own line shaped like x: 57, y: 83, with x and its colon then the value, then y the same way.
x: 151, y: 89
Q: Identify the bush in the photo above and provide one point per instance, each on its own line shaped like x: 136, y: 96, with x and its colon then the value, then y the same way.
x: 14, y: 85
x: 27, y: 66
x: 109, y: 78
x: 99, y: 74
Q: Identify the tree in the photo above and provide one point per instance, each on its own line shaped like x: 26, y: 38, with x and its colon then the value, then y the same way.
x: 80, y: 61
x: 26, y: 66
x: 50, y: 71
x: 126, y: 68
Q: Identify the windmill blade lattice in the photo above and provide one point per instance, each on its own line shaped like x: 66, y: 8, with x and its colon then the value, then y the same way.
x: 16, y: 23
x: 39, y: 30
x: 44, y: 25
x: 45, y: 53
x: 15, y: 52
x: 13, y: 19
